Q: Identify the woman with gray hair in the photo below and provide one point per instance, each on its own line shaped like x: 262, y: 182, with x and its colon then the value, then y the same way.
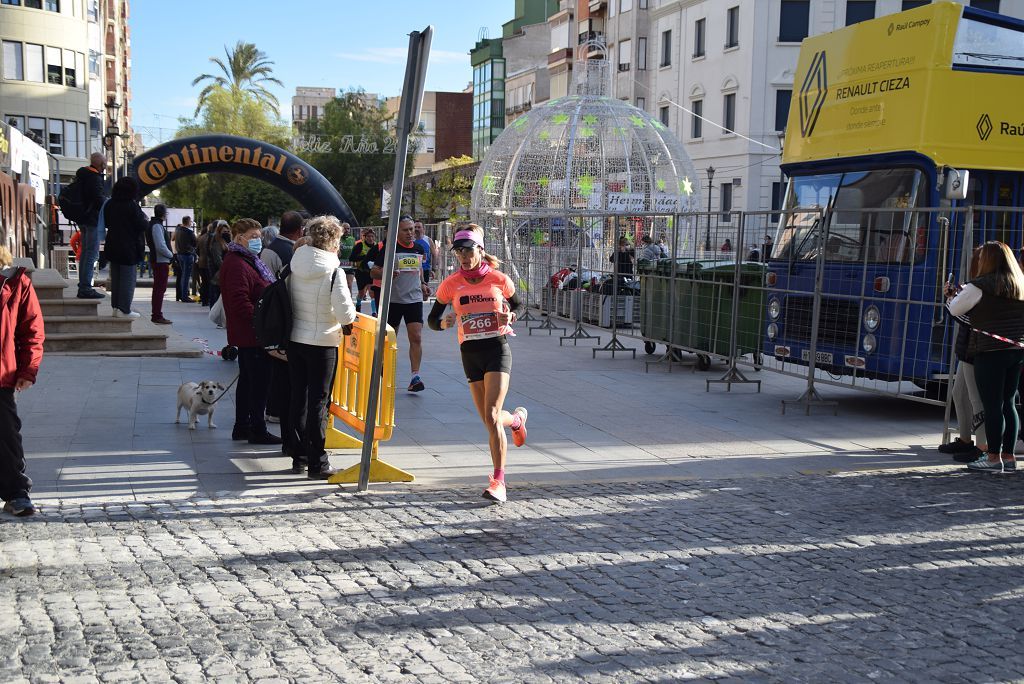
x: 321, y: 305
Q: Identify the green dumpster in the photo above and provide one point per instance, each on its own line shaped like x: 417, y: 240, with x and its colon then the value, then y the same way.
x: 704, y: 299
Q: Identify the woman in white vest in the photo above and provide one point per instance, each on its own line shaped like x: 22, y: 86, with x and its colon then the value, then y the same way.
x: 321, y: 305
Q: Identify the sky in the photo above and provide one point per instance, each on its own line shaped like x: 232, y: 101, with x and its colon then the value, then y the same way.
x: 339, y: 43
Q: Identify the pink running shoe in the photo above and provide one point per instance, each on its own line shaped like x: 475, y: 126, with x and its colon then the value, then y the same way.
x: 496, y: 491
x: 519, y: 433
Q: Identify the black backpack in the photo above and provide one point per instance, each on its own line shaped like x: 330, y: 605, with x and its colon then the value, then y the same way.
x: 272, y: 317
x: 71, y: 202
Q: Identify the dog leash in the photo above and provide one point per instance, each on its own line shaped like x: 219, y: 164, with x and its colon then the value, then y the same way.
x: 224, y: 392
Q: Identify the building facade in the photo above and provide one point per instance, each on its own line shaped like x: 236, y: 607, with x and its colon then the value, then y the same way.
x: 731, y: 62
x: 443, y: 131
x: 308, y: 103
x: 65, y: 70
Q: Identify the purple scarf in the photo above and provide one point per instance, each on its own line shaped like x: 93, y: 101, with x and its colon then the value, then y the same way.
x: 261, y: 267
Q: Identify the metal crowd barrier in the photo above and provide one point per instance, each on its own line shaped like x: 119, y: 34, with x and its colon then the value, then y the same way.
x: 857, y: 304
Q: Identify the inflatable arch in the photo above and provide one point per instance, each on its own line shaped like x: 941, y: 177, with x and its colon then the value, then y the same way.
x: 217, y: 153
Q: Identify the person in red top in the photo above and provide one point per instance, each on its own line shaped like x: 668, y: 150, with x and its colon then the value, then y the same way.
x: 243, y: 277
x: 21, y: 352
x: 485, y: 306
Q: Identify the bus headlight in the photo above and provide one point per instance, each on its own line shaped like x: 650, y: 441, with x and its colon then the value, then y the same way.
x: 773, y: 331
x: 869, y: 343
x: 774, y: 308
x: 871, y: 318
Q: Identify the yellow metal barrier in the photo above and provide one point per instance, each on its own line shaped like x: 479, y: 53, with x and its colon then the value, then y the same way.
x: 350, y: 397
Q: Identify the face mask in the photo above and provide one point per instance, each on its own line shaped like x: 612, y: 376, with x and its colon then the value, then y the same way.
x: 255, y: 245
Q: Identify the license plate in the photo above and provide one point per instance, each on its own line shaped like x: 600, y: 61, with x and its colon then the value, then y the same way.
x: 819, y: 357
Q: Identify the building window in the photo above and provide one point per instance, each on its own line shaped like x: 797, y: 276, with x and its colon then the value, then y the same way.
x: 625, y: 54
x: 34, y: 63
x: 859, y: 10
x: 94, y: 63
x: 782, y: 98
x: 729, y: 113
x: 777, y: 189
x: 56, y: 137
x: 37, y: 129
x: 11, y: 2
x: 14, y: 67
x: 663, y: 114
x: 83, y: 146
x: 794, y: 19
x: 641, y: 54
x: 625, y: 6
x: 34, y: 4
x: 666, y: 48
x: 698, y: 37
x: 726, y: 202
x: 69, y: 69
x: 642, y: 4
x: 13, y: 120
x: 54, y: 71
x: 732, y: 27
x: 641, y: 103
x: 53, y: 5
x: 80, y: 69
x: 912, y: 4
x: 697, y: 123
x: 92, y: 8
x: 990, y: 5
x: 71, y: 139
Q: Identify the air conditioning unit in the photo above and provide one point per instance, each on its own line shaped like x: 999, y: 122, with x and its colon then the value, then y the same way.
x: 737, y: 182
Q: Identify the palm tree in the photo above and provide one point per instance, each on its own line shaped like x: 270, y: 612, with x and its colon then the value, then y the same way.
x: 247, y: 70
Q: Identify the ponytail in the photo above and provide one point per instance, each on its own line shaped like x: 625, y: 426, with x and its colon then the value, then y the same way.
x: 492, y: 261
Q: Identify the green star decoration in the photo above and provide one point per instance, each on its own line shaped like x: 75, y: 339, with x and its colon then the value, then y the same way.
x: 661, y: 185
x: 519, y: 189
x: 685, y: 186
x: 590, y: 119
x: 520, y: 122
x: 560, y: 119
x: 585, y: 185
x: 637, y: 121
x: 489, y: 183
x: 544, y: 135
x: 657, y: 124
x: 544, y: 180
x: 587, y: 132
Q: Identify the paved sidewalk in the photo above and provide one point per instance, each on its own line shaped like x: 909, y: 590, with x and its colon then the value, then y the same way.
x: 869, y: 577
x: 103, y: 428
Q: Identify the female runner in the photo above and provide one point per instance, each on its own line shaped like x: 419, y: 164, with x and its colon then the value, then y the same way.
x: 485, y: 306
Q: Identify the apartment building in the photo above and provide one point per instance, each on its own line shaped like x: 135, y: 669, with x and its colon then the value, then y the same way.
x: 732, y: 62
x: 443, y: 131
x: 65, y: 70
x: 309, y: 103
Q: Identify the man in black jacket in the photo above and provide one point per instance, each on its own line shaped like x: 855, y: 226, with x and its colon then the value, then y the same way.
x: 93, y: 195
x: 185, y: 249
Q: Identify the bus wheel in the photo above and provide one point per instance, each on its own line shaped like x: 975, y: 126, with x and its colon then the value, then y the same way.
x: 649, y: 347
x: 703, y: 362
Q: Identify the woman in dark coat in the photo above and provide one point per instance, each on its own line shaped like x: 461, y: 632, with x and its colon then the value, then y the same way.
x: 125, y: 245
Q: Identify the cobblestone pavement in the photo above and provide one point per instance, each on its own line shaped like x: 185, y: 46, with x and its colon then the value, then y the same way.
x: 910, y: 576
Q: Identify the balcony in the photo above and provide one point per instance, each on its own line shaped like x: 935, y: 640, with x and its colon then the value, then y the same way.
x: 597, y: 36
x: 560, y: 57
x: 598, y: 6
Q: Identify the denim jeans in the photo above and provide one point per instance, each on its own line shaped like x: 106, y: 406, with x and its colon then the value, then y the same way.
x: 184, y: 277
x: 122, y: 286
x: 90, y: 253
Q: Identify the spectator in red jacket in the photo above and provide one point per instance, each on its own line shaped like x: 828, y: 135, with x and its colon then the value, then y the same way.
x: 21, y: 351
x: 243, y: 277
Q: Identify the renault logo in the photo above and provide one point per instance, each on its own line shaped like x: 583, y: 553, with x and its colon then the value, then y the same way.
x: 984, y: 127
x: 812, y: 94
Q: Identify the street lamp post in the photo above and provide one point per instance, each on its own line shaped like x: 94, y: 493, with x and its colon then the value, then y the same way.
x: 113, y: 133
x: 707, y: 235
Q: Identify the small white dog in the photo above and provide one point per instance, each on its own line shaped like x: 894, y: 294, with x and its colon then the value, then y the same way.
x: 198, y: 399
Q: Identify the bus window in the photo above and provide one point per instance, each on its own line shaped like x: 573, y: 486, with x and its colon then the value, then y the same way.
x: 855, y: 233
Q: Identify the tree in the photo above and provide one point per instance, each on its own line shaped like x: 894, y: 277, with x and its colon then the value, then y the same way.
x: 359, y: 163
x: 449, y: 197
x: 247, y: 70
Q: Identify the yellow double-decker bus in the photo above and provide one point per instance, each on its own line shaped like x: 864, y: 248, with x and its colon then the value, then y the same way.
x: 896, y: 125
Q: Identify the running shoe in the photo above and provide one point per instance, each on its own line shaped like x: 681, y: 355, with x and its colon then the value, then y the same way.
x: 983, y: 464
x: 519, y: 433
x: 968, y: 456
x: 495, y: 491
x: 416, y: 385
x: 1010, y: 466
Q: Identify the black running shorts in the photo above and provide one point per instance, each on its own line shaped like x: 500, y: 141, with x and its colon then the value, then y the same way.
x: 363, y: 279
x: 492, y: 355
x: 410, y: 313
